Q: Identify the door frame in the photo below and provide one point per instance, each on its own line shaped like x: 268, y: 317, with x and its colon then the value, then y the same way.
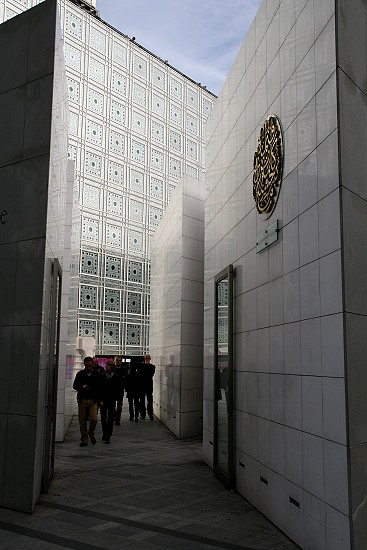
x: 227, y: 478
x: 52, y: 376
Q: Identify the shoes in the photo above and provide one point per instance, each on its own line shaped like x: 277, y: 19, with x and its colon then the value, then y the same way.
x: 82, y: 444
x: 117, y: 423
x: 107, y: 442
x: 103, y: 438
x: 151, y: 417
x: 131, y: 417
x: 93, y: 440
x: 136, y: 418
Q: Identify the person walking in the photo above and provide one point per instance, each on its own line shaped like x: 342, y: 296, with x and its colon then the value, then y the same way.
x: 111, y: 392
x: 147, y: 373
x: 97, y: 368
x: 133, y: 388
x: 121, y: 373
x: 88, y: 385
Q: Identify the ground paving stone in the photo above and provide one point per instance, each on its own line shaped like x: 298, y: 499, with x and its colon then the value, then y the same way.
x: 145, y: 491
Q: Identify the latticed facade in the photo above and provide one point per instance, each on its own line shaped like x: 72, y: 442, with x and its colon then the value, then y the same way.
x: 136, y: 125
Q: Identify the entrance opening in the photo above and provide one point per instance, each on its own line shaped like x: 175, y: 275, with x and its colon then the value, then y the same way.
x: 51, y: 390
x: 223, y: 377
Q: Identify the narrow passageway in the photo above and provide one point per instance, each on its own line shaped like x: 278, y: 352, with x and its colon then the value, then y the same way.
x: 146, y: 490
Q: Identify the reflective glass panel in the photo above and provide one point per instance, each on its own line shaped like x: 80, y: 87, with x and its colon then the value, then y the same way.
x: 222, y: 375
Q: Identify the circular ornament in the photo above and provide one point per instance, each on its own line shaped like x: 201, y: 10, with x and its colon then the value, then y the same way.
x: 268, y: 166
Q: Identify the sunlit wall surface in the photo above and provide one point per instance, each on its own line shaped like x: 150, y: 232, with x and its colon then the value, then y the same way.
x: 300, y: 305
x: 176, y: 328
x: 61, y: 201
x: 66, y: 402
x: 136, y: 126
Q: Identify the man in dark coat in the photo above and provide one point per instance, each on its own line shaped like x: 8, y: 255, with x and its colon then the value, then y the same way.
x: 120, y: 371
x: 88, y: 385
x: 97, y: 369
x: 147, y: 373
x: 133, y: 389
x: 111, y: 392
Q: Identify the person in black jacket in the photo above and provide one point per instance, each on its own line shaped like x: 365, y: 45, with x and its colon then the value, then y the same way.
x: 133, y: 389
x: 97, y: 369
x: 147, y: 373
x: 121, y: 372
x: 112, y: 390
x: 88, y: 385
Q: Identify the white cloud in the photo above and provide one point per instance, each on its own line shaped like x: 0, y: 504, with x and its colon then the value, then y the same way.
x: 200, y: 38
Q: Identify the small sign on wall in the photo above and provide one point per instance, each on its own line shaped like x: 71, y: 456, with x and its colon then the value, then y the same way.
x: 267, y: 237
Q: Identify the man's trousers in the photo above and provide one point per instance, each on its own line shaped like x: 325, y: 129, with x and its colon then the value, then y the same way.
x: 87, y: 411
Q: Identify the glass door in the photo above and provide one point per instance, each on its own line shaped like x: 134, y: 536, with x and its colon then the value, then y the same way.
x: 223, y: 377
x: 51, y: 395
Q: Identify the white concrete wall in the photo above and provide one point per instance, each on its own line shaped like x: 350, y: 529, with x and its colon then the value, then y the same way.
x: 66, y: 402
x: 290, y: 384
x: 352, y: 80
x: 32, y: 179
x: 176, y: 318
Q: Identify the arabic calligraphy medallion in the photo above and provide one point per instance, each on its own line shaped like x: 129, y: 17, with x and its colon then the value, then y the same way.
x: 268, y: 164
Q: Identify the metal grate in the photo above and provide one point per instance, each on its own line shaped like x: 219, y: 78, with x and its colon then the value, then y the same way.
x: 87, y: 328
x: 134, y: 272
x: 140, y: 66
x: 158, y: 105
x: 119, y: 54
x: 114, y: 203
x: 139, y: 95
x: 89, y: 262
x: 133, y: 335
x: 112, y: 300
x: 88, y: 297
x: 95, y: 101
x: 111, y: 333
x: 73, y: 25
x: 118, y: 83
x: 157, y: 160
x: 133, y: 303
x: 113, y: 267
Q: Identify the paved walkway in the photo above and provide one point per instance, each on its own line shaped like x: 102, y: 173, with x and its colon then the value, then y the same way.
x: 145, y: 491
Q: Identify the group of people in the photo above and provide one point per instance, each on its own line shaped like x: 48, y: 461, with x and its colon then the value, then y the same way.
x: 105, y: 388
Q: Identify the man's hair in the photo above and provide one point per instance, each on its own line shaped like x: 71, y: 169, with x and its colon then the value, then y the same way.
x: 118, y: 357
x: 86, y: 359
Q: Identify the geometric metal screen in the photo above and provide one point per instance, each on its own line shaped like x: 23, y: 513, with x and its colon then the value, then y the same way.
x: 89, y: 262
x: 113, y: 267
x: 134, y: 272
x: 133, y: 335
x: 111, y: 333
x: 112, y: 300
x: 88, y: 297
x: 133, y: 302
x: 136, y: 125
x: 87, y: 328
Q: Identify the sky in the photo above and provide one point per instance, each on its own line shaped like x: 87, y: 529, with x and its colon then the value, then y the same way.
x: 200, y: 38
